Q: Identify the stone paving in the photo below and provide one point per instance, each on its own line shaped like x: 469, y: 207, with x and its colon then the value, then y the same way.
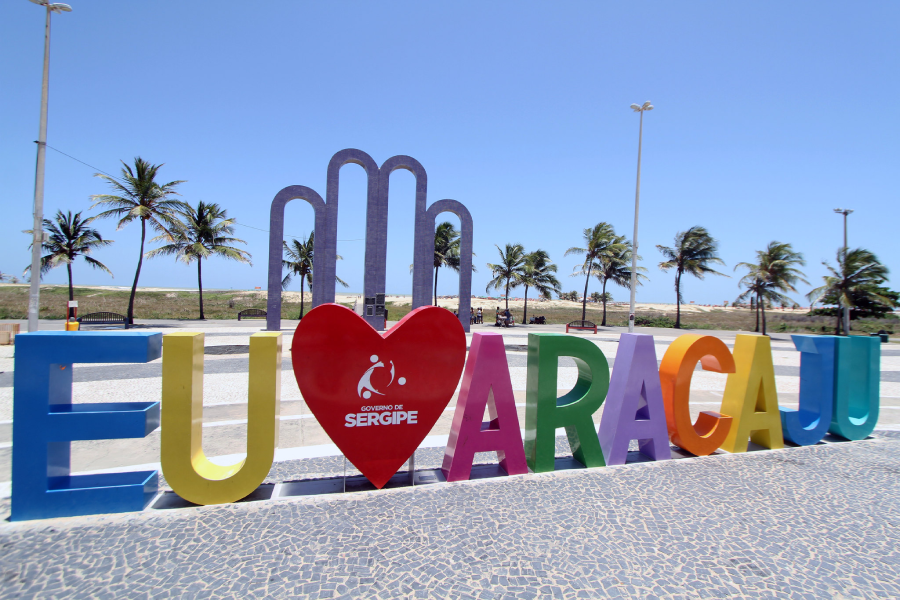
x: 813, y: 523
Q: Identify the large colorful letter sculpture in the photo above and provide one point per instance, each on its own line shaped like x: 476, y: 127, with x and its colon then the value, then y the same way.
x: 856, y: 400
x: 634, y: 406
x: 750, y: 396
x: 818, y: 355
x: 185, y: 466
x: 675, y: 372
x: 45, y: 422
x: 544, y: 412
x: 485, y: 382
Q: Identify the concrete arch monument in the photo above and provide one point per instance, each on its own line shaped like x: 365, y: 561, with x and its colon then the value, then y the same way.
x: 377, y: 195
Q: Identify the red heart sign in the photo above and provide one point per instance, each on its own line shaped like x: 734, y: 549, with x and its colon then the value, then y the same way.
x: 378, y: 397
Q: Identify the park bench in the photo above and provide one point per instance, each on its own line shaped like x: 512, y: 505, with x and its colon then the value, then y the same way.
x: 582, y: 325
x: 103, y: 318
x: 251, y: 313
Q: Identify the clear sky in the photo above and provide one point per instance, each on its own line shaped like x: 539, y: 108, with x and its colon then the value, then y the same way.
x: 768, y: 115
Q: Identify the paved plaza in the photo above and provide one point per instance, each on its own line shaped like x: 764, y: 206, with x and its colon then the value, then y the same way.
x: 813, y: 522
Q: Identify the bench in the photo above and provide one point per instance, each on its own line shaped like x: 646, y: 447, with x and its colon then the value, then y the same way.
x: 582, y: 325
x: 103, y: 318
x: 251, y: 313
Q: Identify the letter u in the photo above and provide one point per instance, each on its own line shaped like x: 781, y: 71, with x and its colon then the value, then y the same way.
x: 185, y: 466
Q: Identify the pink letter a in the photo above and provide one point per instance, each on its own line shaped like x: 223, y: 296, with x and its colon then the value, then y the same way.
x: 485, y: 382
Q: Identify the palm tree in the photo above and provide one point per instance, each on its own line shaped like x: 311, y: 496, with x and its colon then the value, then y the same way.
x: 598, y: 240
x: 301, y: 254
x: 68, y: 237
x: 539, y: 274
x: 141, y: 197
x: 755, y: 287
x: 203, y: 233
x: 446, y: 251
x: 858, y: 275
x: 509, y: 271
x: 775, y: 274
x: 693, y: 252
x: 614, y: 266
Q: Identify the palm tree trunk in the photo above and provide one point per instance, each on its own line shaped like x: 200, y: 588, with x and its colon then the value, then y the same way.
x: 584, y: 299
x: 200, y: 285
x: 129, y: 315
x: 762, y: 308
x: 839, y: 323
x: 603, y: 297
x: 757, y: 314
x: 525, y: 311
x: 71, y: 291
x: 435, y: 284
x: 678, y: 300
x: 507, y: 293
x: 302, y: 284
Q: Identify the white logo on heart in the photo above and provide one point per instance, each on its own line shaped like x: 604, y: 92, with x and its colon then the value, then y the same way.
x: 365, y: 389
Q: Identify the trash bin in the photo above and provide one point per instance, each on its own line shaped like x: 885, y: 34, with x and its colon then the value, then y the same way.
x: 72, y: 325
x: 883, y: 335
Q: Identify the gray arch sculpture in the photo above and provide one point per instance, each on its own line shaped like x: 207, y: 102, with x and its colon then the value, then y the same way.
x: 325, y: 252
x: 465, y: 252
x: 326, y: 217
x: 357, y: 157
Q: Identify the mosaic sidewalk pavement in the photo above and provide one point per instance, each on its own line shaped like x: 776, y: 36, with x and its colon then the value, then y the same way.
x: 816, y: 522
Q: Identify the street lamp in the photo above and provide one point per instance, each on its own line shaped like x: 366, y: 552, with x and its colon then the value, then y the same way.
x: 637, y: 202
x: 846, y: 319
x: 34, y: 291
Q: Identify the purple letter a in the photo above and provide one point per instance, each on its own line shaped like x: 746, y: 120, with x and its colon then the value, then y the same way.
x: 634, y: 407
x: 485, y: 383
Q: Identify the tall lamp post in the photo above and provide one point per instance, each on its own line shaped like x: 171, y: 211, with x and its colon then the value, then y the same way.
x: 637, y: 203
x: 34, y: 291
x: 846, y: 309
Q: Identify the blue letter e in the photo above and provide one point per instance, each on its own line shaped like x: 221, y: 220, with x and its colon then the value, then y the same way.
x: 45, y: 422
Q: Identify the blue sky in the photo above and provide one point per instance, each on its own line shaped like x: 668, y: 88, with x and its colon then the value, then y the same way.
x: 768, y: 115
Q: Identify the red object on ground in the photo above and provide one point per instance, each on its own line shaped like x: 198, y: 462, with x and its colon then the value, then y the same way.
x: 376, y: 396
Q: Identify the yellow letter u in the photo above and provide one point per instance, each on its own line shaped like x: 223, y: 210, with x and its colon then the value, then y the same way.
x: 185, y: 466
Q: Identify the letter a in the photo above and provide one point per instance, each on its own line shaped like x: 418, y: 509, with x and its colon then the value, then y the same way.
x: 750, y: 396
x: 185, y: 466
x: 485, y: 382
x: 634, y: 406
x: 544, y: 412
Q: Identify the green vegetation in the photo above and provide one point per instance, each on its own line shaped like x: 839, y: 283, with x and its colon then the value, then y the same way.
x: 858, y: 278
x: 509, y: 271
x: 141, y: 197
x: 771, y: 277
x: 300, y: 256
x: 599, y: 241
x: 693, y: 252
x: 615, y: 266
x: 202, y: 233
x: 538, y: 274
x: 68, y: 237
x: 446, y: 251
x: 218, y: 304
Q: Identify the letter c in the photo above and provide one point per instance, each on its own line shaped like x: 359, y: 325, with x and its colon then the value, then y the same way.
x: 675, y: 371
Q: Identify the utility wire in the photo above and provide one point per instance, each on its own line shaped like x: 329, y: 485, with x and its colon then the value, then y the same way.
x: 122, y: 181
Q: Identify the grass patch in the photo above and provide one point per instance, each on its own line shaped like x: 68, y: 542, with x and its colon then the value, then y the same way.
x: 147, y: 305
